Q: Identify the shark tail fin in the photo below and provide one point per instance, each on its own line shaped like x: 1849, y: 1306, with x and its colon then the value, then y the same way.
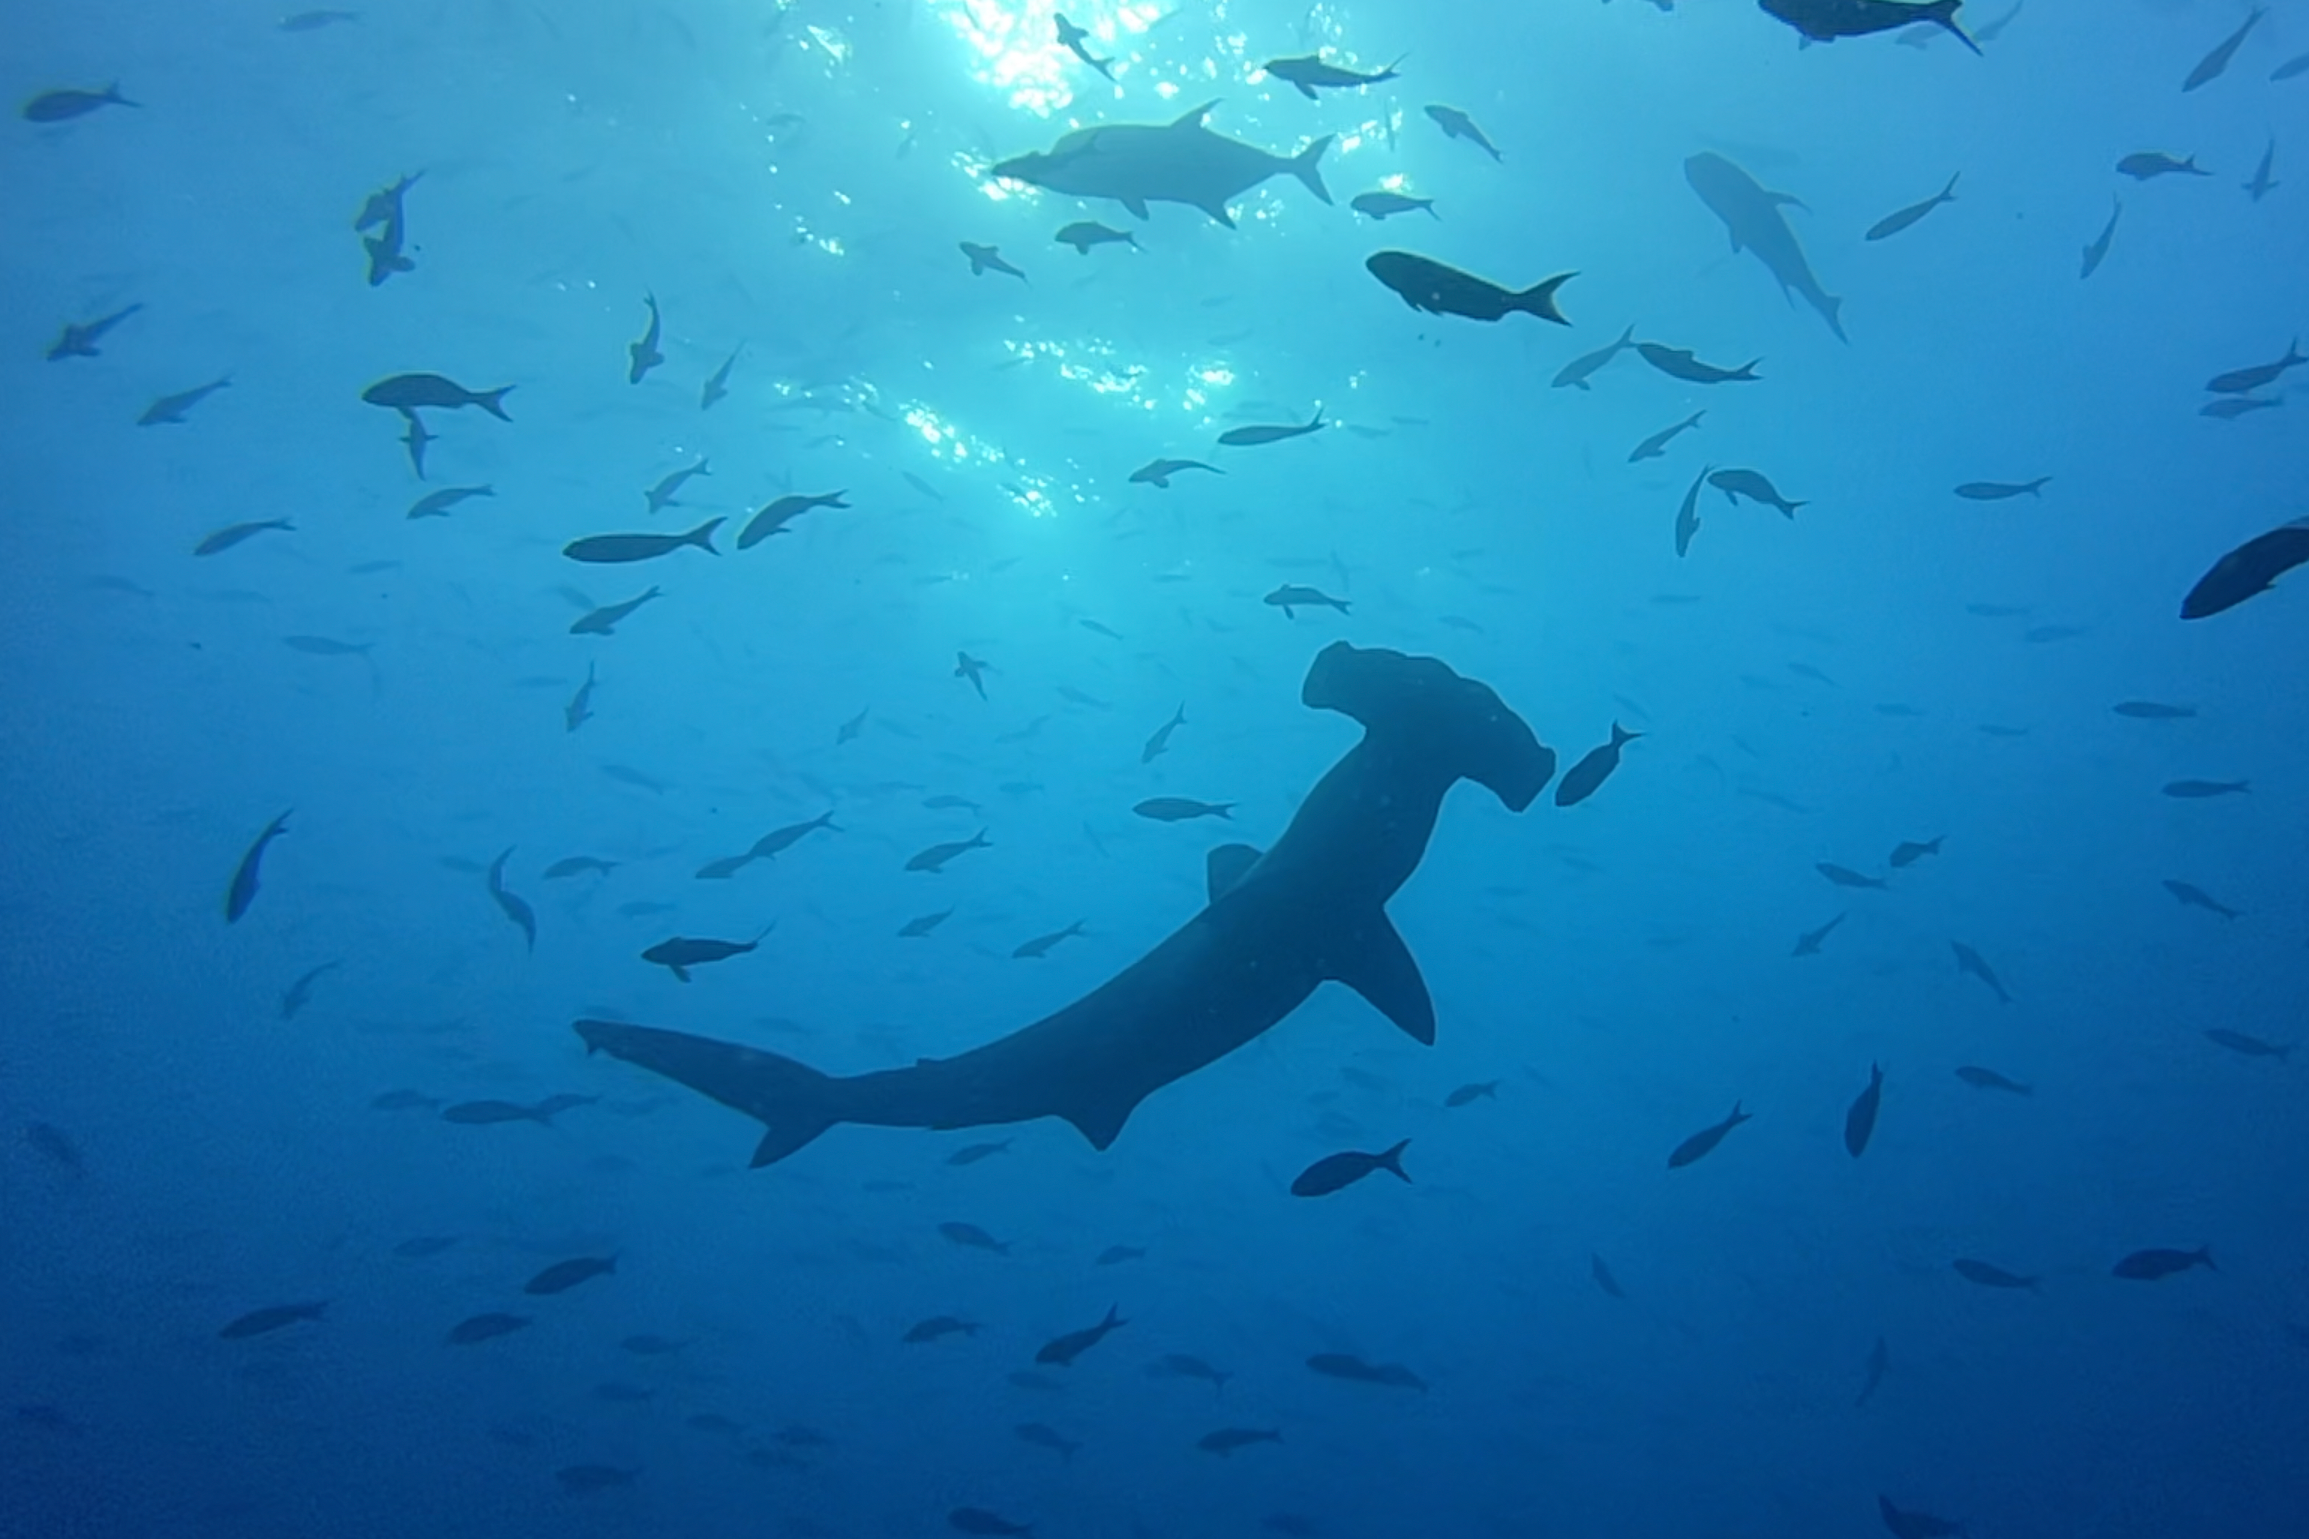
x: 794, y: 1101
x: 1307, y: 166
x: 1944, y: 12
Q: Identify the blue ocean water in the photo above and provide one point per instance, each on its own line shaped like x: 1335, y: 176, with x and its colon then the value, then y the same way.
x: 281, y: 1192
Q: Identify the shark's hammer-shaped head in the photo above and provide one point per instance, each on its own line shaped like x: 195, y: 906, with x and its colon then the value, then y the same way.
x: 1417, y: 704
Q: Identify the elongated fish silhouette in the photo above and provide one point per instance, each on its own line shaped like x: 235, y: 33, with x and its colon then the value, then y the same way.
x: 1136, y: 164
x: 1751, y: 215
x: 1309, y: 910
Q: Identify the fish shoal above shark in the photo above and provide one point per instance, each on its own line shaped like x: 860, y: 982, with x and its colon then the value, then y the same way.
x: 1182, y: 161
x: 1278, y: 923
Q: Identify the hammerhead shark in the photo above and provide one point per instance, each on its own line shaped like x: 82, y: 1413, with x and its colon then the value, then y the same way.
x: 1310, y: 910
x: 1177, y: 162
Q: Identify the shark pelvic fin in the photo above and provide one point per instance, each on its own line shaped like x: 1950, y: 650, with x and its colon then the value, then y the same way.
x: 1378, y: 965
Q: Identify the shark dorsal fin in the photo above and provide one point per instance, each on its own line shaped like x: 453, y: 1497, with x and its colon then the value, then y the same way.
x: 1219, y: 212
x: 1377, y: 965
x: 1226, y: 866
x: 1194, y: 117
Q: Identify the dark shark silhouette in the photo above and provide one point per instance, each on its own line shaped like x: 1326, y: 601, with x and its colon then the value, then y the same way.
x: 1309, y: 910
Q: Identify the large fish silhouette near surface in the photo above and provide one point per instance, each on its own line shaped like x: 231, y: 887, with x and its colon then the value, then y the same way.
x: 1310, y: 910
x: 1751, y: 213
x: 1136, y: 164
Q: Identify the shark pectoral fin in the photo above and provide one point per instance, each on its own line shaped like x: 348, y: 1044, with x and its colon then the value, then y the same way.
x: 1137, y: 206
x: 1379, y: 966
x: 1226, y: 866
x: 1101, y: 1123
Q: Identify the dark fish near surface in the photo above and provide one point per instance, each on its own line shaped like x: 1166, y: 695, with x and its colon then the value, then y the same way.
x: 986, y: 259
x: 1063, y: 1350
x: 2229, y: 408
x: 938, y: 1326
x: 79, y: 338
x: 1860, y: 1117
x: 774, y: 518
x: 484, y: 1327
x: 516, y: 909
x: 565, y: 1275
x: 1041, y: 944
x: 1751, y: 215
x: 1458, y: 125
x: 1756, y: 487
x: 1252, y: 437
x: 1180, y: 809
x: 437, y: 504
x: 1988, y: 1079
x: 1076, y: 40
x: 1292, y: 596
x: 971, y: 1237
x: 1679, y: 363
x: 171, y: 408
x: 1908, y: 851
x: 1893, y: 224
x: 717, y: 383
x: 977, y: 1520
x: 408, y: 392
x: 242, y: 890
x: 1227, y: 1440
x: 2291, y: 69
x: 495, y: 1113
x: 916, y: 928
x: 973, y: 669
x: 2200, y: 790
x: 1159, y: 744
x: 1808, y: 943
x: 1116, y: 1255
x: 604, y: 621
x: 1705, y: 1140
x: 680, y: 953
x: 663, y: 495
x: 1872, y: 1373
x: 1845, y: 876
x: 1824, y: 21
x: 642, y: 355
x: 617, y: 549
x: 936, y: 857
x: 1602, y: 1273
x: 259, y: 1322
x: 2252, y: 568
x: 2148, y: 165
x: 1577, y: 372
x: 776, y: 842
x: 1158, y: 472
x: 1042, y: 1436
x: 971, y: 1154
x: 1971, y: 963
x: 1656, y: 445
x: 1086, y: 233
x: 314, y: 21
x: 2212, y: 65
x: 55, y: 1144
x: 1586, y: 777
x: 300, y: 993
x: 1998, y: 491
x: 2249, y: 1046
x: 233, y: 534
x: 1334, y: 1172
x: 2192, y: 896
x: 1429, y: 286
x: 1469, y: 1094
x: 1346, y: 1365
x: 1308, y: 74
x: 2098, y: 251
x: 2239, y: 381
x: 2153, y: 710
x: 586, y: 1479
x: 2156, y: 1264
x: 1181, y: 161
x: 61, y: 106
x: 1988, y: 1275
x: 1688, y: 513
x: 1384, y: 205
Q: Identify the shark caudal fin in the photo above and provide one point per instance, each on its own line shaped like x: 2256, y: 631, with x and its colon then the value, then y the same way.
x: 1419, y: 700
x: 1307, y: 166
x: 792, y: 1100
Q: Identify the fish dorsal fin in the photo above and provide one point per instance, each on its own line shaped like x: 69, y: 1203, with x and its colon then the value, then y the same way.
x: 1193, y: 118
x: 1219, y: 212
x: 1226, y: 866
x: 1376, y: 964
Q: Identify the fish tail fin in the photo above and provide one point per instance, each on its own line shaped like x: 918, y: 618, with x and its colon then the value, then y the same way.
x: 1307, y: 166
x: 1832, y: 311
x: 703, y: 536
x: 1392, y: 1162
x: 2204, y: 1254
x: 1948, y: 193
x: 1621, y: 736
x: 493, y: 402
x: 1113, y: 1317
x: 1944, y: 12
x: 1539, y: 299
x: 793, y: 1101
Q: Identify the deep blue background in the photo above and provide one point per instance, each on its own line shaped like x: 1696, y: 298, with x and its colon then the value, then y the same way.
x: 1622, y: 968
